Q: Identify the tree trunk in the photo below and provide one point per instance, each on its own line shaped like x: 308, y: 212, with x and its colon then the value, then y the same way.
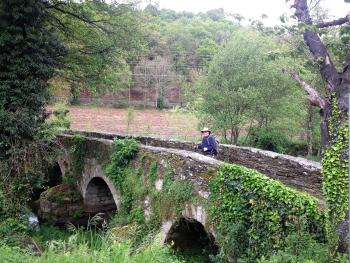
x: 334, y: 126
x: 337, y: 83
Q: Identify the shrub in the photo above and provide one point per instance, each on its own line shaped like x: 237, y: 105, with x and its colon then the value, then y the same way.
x: 269, y: 139
x: 13, y: 230
x: 264, y: 210
x: 303, y: 248
x: 61, y: 119
x: 77, y: 249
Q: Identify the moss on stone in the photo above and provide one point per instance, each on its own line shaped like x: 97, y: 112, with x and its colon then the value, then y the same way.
x: 62, y: 194
x: 207, y: 175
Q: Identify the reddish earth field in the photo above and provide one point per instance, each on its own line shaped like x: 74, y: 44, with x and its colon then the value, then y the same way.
x: 165, y: 124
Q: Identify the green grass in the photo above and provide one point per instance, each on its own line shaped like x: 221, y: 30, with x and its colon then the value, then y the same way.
x: 84, y: 246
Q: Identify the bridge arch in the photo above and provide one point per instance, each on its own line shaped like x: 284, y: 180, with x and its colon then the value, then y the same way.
x: 54, y: 177
x: 98, y: 196
x: 187, y: 235
x: 190, y: 232
x: 98, y: 191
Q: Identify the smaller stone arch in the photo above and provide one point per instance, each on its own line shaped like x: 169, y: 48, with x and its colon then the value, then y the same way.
x: 190, y: 233
x: 187, y: 235
x: 98, y: 191
x: 98, y: 197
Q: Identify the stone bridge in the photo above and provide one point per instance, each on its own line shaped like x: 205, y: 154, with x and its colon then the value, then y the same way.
x: 99, y: 193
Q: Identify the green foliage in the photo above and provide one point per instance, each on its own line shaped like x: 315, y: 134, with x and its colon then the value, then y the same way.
x: 77, y: 153
x: 189, y: 40
x: 60, y: 116
x: 152, y: 174
x: 244, y: 87
x: 270, y: 140
x: 13, y: 230
x: 61, y: 193
x: 169, y: 202
x: 47, y: 233
x: 28, y: 57
x: 101, y: 39
x: 24, y: 170
x: 136, y: 184
x: 127, y: 181
x: 123, y: 152
x: 263, y: 209
x: 303, y: 248
x: 335, y: 174
x: 87, y: 247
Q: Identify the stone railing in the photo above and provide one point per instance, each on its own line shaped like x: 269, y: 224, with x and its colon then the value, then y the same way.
x: 296, y: 172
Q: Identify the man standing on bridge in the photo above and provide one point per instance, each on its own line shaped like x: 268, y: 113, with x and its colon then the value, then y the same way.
x: 209, y: 144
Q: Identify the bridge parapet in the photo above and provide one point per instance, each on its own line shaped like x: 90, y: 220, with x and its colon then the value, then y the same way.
x: 296, y: 172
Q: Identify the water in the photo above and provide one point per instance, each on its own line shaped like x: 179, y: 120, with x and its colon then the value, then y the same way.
x: 33, y: 220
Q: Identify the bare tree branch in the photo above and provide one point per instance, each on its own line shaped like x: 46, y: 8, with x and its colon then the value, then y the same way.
x: 313, y: 97
x: 316, y: 46
x: 81, y: 17
x: 336, y: 22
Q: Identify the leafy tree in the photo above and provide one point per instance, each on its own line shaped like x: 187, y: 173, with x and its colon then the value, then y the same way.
x: 189, y: 40
x: 245, y: 85
x: 216, y: 14
x: 29, y: 55
x: 103, y: 40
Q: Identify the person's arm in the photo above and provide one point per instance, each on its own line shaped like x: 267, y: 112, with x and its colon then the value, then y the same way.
x: 200, y: 146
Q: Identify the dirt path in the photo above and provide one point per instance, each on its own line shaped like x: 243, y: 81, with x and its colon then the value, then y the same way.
x: 164, y: 124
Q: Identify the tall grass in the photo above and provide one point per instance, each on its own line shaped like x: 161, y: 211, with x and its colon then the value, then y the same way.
x: 89, y: 246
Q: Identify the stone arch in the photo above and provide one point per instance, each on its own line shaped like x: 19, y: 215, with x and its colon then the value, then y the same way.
x: 190, y: 232
x: 190, y: 236
x: 99, y: 197
x: 97, y: 189
x: 54, y: 177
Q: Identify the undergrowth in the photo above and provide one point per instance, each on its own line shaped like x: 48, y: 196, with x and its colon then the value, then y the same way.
x: 89, y: 246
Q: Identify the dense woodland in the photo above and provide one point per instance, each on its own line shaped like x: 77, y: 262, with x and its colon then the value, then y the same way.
x: 281, y: 88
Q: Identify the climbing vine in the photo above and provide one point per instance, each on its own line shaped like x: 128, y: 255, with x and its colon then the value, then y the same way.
x: 77, y: 155
x: 254, y: 213
x: 335, y: 173
x: 251, y: 212
x: 169, y: 203
x: 136, y: 181
x: 122, y: 153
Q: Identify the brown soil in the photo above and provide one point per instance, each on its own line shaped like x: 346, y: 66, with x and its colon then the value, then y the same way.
x: 164, y: 124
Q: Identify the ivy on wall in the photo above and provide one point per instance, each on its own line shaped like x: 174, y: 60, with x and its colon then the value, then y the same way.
x: 135, y: 183
x: 251, y: 212
x: 254, y: 213
x: 118, y: 170
x: 77, y: 154
x: 335, y: 174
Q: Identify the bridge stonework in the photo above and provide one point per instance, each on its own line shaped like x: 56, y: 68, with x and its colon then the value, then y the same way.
x: 185, y: 165
x: 296, y: 172
x: 100, y: 194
